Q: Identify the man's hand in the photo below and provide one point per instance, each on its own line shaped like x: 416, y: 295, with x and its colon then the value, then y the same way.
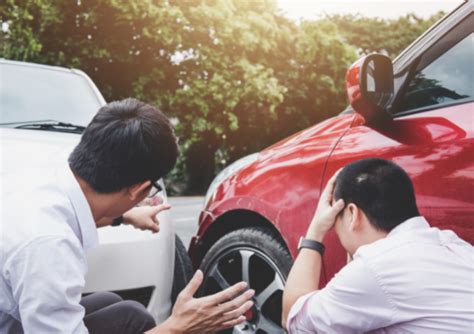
x: 207, y: 314
x: 144, y: 217
x: 326, y: 212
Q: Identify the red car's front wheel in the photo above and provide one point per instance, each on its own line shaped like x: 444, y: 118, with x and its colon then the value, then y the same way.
x: 256, y: 256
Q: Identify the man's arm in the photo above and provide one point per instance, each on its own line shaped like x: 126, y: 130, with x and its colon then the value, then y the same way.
x: 303, y: 279
x: 47, y: 278
x: 141, y: 217
x: 305, y: 273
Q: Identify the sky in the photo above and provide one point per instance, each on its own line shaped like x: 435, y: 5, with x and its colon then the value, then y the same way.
x: 309, y: 9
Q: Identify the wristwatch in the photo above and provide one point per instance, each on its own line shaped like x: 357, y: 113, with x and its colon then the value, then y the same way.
x: 311, y: 244
x: 117, y: 221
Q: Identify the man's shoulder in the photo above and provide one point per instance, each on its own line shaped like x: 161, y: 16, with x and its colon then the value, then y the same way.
x: 39, y: 213
x: 409, y: 241
x: 418, y: 252
x: 385, y: 246
x: 47, y: 213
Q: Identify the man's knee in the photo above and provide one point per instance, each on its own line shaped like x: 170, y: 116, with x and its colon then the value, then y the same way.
x: 138, y: 314
x: 99, y: 300
x: 109, y: 297
x: 124, y: 317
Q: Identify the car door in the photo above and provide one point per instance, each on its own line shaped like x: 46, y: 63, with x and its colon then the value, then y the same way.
x: 431, y: 137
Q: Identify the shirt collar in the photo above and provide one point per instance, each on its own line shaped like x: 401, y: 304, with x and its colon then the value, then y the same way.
x: 83, y: 214
x: 414, y: 223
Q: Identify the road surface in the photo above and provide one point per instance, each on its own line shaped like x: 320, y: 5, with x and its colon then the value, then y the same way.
x: 185, y: 213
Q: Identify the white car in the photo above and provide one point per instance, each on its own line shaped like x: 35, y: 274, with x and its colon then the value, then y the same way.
x: 43, y: 110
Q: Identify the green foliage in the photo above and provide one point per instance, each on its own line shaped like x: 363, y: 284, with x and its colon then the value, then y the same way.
x: 25, y: 20
x: 315, y: 79
x: 377, y: 35
x: 235, y: 76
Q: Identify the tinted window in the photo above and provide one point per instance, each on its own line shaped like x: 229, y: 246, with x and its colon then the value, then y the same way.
x: 448, y: 78
x: 29, y: 93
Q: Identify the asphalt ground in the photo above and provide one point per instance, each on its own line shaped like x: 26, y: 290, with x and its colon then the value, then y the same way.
x: 185, y: 214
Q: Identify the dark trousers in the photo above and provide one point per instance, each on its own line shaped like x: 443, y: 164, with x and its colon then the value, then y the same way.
x: 107, y: 312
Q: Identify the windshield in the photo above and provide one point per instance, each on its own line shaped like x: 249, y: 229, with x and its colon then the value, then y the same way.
x: 29, y: 93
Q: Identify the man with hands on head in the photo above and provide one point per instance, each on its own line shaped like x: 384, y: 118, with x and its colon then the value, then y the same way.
x: 405, y: 276
x: 123, y: 152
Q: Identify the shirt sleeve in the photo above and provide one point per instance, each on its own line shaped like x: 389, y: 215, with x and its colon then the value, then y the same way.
x: 47, y: 278
x: 352, y: 302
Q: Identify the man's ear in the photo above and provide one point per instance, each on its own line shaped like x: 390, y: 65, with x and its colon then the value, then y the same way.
x: 355, y: 215
x: 138, y: 190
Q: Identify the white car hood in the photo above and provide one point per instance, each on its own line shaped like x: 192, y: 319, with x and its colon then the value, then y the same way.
x: 30, y: 150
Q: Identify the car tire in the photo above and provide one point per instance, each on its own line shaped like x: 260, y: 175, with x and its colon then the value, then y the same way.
x: 257, y: 256
x: 183, y: 269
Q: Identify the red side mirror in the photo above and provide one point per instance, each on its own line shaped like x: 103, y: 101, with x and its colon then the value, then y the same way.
x: 369, y: 86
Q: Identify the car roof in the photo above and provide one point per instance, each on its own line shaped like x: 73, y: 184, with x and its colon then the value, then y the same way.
x: 40, y: 66
x: 57, y: 69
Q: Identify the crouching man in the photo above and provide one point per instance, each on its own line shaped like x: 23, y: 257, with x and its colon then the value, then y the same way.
x: 46, y: 229
x: 405, y: 276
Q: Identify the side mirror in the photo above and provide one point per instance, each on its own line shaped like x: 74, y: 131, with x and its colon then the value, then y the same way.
x: 369, y: 86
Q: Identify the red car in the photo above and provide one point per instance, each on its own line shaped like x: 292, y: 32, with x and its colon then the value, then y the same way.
x: 417, y: 112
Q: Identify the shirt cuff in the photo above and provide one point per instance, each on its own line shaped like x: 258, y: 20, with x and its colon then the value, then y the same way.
x: 295, y: 322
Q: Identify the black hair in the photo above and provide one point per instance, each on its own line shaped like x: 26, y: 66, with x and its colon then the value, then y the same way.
x: 127, y: 142
x: 381, y: 189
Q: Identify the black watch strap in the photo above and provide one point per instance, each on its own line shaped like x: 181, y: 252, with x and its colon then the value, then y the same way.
x: 117, y: 221
x: 311, y: 244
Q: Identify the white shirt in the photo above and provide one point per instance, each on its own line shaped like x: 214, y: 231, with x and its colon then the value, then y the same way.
x: 418, y: 279
x: 43, y: 235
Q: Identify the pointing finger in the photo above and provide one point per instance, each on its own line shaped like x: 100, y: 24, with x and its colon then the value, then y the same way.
x: 161, y: 207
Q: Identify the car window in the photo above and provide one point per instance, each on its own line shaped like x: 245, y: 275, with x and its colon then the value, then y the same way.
x: 30, y: 93
x: 448, y: 78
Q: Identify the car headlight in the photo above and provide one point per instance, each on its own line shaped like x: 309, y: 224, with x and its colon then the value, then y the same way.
x: 229, y: 170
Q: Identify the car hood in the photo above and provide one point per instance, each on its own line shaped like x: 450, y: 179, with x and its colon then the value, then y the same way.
x: 31, y: 151
x: 298, y: 158
x: 330, y: 128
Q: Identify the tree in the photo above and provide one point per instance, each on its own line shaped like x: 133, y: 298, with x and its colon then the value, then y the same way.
x: 22, y: 22
x: 315, y: 77
x: 377, y: 35
x: 226, y: 85
x: 235, y: 76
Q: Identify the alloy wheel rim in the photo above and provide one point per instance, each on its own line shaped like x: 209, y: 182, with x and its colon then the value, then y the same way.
x: 261, y: 274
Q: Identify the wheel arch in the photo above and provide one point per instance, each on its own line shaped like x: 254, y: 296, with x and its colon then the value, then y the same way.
x: 230, y: 221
